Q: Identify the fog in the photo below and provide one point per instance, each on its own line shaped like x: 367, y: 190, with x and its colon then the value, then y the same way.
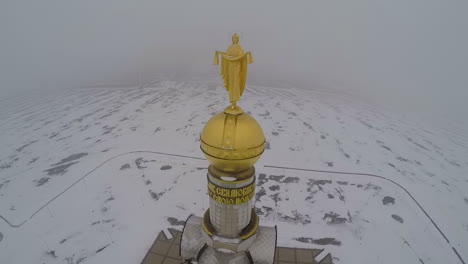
x: 409, y: 56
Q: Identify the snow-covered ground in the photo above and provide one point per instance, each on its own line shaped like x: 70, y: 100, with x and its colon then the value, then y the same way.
x: 86, y: 175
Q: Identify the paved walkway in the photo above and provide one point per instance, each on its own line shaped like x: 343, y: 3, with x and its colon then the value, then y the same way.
x: 166, y: 251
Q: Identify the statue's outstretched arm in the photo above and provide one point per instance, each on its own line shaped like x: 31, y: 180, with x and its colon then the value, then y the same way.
x: 215, y: 59
x: 231, y: 58
x: 249, y: 57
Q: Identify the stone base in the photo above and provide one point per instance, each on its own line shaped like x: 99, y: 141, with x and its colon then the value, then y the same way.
x: 166, y: 251
x: 197, y: 246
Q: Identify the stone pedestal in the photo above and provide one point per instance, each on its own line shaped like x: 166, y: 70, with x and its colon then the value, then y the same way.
x: 194, y: 246
x: 229, y: 231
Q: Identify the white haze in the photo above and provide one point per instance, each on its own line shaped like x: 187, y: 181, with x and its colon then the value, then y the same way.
x: 411, y: 56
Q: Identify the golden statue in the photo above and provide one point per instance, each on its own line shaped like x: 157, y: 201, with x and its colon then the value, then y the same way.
x: 232, y: 140
x: 234, y: 69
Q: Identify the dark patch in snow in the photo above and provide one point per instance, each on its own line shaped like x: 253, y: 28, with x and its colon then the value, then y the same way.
x: 108, y: 114
x: 320, y: 241
x: 397, y: 218
x: 340, y: 195
x: 24, y: 146
x: 1, y: 236
x: 147, y: 182
x: 311, y: 183
x: 298, y: 218
x: 416, y: 143
x: 342, y: 150
x: 71, y: 157
x: 6, y: 165
x: 466, y: 200
x: 101, y: 249
x: 334, y: 218
x: 265, y: 114
x: 342, y: 182
x: 382, y: 144
x: 274, y: 133
x: 70, y: 260
x: 261, y: 179
x: 291, y: 180
x: 83, y: 128
x: 430, y: 174
x: 105, y: 150
x: 175, y: 222
x: 276, y: 198
x: 274, y: 188
x: 372, y: 186
x: 453, y: 162
x: 267, y: 145
x: 3, y: 183
x: 322, y: 137
x: 260, y: 211
x: 259, y: 194
x: 156, y: 130
x: 444, y: 182
x: 292, y: 113
x: 51, y: 253
x: 33, y: 160
x: 308, y: 126
x: 330, y: 196
x: 42, y: 181
x: 403, y: 159
x: 385, y: 147
x: 59, y: 169
x: 391, y: 165
x: 388, y: 199
x: 54, y: 135
x: 329, y: 163
x: 108, y: 130
x: 125, y: 166
x: 365, y: 123
x: 318, y: 182
x: 166, y: 167
x: 156, y: 196
x: 276, y: 178
x: 138, y: 163
x: 63, y: 138
x: 63, y: 241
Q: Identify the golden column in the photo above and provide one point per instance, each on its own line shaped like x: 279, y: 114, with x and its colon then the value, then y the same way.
x: 232, y: 142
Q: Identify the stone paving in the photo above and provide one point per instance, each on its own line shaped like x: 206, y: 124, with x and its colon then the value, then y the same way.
x: 166, y: 251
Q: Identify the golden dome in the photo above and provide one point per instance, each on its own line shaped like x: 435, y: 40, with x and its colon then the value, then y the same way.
x: 232, y: 141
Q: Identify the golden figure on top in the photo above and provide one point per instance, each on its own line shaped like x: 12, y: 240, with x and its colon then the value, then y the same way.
x: 234, y: 69
x: 232, y: 140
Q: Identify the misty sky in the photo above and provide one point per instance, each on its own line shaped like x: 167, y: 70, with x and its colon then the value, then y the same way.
x: 410, y: 55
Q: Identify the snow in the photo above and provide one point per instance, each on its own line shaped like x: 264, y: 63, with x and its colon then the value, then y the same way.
x: 93, y: 175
